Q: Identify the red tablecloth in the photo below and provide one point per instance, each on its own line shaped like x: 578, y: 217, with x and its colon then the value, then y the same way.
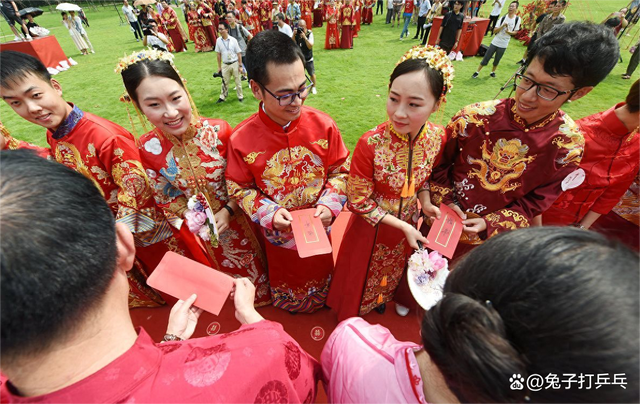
x: 46, y: 49
x: 472, y: 33
x: 317, y: 17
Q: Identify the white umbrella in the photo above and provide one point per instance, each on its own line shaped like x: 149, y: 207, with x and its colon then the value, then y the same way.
x: 68, y: 7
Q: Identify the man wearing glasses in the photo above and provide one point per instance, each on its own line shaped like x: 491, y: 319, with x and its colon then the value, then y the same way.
x: 506, y: 161
x: 287, y: 157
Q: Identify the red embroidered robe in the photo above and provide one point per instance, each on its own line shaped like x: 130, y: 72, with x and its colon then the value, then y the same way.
x: 498, y: 167
x: 302, y: 167
x: 373, y: 256
x: 611, y: 162
x: 332, y: 38
x: 181, y: 168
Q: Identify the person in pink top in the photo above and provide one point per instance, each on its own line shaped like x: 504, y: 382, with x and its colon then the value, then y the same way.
x: 528, y: 304
x: 67, y: 336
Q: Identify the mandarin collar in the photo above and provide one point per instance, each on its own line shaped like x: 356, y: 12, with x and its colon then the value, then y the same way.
x: 519, y: 121
x: 69, y: 123
x: 275, y: 127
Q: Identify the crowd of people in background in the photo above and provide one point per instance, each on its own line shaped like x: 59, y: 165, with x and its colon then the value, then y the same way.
x: 87, y: 219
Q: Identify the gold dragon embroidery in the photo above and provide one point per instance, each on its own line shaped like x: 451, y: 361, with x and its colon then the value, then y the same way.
x: 506, y: 163
x: 251, y: 157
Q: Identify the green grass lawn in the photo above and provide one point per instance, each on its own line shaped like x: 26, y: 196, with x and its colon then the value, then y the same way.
x: 352, y: 84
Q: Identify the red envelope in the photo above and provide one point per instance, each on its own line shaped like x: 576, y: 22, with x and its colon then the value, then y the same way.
x: 181, y: 277
x: 309, y: 233
x: 445, y: 232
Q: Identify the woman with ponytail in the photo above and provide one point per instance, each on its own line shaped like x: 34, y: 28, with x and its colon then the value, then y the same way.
x: 552, y: 302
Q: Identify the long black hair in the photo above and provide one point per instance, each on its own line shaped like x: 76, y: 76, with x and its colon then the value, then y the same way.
x: 540, y: 301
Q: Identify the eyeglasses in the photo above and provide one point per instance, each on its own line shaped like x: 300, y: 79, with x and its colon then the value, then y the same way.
x: 288, y: 99
x: 545, y: 92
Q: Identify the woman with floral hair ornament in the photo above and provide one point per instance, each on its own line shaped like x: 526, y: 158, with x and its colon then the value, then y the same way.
x: 185, y: 160
x: 390, y: 169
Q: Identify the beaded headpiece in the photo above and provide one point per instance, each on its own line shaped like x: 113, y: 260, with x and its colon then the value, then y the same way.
x: 149, y: 54
x: 436, y: 58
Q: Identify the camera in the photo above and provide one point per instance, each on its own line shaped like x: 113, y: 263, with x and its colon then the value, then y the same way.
x: 300, y: 30
x: 217, y: 74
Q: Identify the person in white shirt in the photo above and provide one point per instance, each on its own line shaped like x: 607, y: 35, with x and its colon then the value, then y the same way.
x: 132, y: 16
x: 425, y: 6
x: 508, y: 26
x: 389, y: 11
x: 153, y: 38
x: 283, y: 26
x: 229, y: 61
x: 494, y: 15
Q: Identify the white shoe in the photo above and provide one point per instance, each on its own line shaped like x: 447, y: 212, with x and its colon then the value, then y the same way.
x: 459, y: 56
x: 314, y: 91
x: 64, y: 64
x: 17, y: 38
x: 52, y: 71
x: 92, y: 51
x: 29, y: 38
x: 402, y: 310
x: 72, y: 62
x: 452, y: 56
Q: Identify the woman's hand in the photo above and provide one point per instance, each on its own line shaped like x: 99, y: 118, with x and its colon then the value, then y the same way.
x: 431, y: 211
x: 222, y: 220
x: 184, y: 318
x: 413, y: 235
x: 474, y: 226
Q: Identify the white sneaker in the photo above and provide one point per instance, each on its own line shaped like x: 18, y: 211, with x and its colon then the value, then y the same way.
x: 452, y: 56
x: 52, y: 71
x: 17, y: 38
x: 313, y: 90
x: 72, y: 62
x: 401, y: 310
x: 92, y: 51
x: 459, y: 56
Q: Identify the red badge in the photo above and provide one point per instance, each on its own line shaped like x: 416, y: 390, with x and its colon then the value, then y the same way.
x: 213, y: 328
x: 317, y: 333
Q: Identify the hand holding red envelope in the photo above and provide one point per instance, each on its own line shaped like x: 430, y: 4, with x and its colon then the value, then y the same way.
x: 445, y: 232
x: 181, y: 277
x: 309, y: 233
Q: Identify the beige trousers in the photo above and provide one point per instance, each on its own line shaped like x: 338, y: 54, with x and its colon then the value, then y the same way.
x: 227, y: 72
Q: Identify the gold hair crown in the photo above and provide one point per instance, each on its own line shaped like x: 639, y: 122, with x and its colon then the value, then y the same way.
x: 146, y: 54
x: 436, y: 58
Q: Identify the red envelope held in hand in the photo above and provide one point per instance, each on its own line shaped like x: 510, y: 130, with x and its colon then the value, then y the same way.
x: 445, y: 232
x: 181, y: 277
x: 309, y: 233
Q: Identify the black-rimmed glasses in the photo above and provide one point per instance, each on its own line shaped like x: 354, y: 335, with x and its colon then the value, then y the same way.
x: 545, y: 92
x: 288, y: 99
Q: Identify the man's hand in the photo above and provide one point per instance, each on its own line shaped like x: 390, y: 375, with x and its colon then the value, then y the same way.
x: 459, y: 211
x: 474, y: 226
x: 184, y: 318
x: 243, y: 295
x: 431, y: 211
x: 282, y: 220
x: 324, y: 214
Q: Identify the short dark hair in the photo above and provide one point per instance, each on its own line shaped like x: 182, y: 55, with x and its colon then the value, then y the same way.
x: 515, y: 1
x: 538, y: 301
x: 433, y: 77
x: 584, y: 51
x: 226, y: 25
x: 16, y: 66
x: 280, y: 16
x: 633, y: 98
x: 57, y: 254
x: 135, y: 73
x: 270, y: 46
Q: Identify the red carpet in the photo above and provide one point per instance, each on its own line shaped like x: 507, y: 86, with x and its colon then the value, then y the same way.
x: 300, y: 326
